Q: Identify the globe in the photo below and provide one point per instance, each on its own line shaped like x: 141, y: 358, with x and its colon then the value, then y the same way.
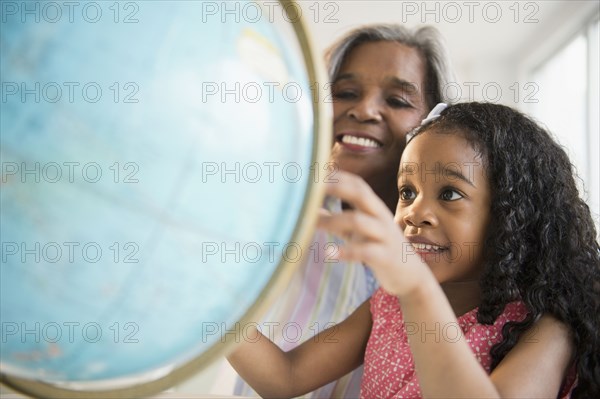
x: 158, y: 185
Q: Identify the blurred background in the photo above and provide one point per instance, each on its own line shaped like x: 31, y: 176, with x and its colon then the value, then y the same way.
x: 541, y: 57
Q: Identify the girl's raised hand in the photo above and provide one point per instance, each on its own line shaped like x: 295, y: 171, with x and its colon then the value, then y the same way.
x: 371, y: 236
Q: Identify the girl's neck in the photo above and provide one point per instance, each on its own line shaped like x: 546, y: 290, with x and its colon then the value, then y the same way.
x: 463, y: 296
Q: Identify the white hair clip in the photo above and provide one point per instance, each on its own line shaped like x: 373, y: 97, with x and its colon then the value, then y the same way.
x: 435, y: 112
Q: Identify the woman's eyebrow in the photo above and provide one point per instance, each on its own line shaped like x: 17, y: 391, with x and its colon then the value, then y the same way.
x: 344, y: 76
x: 409, y: 87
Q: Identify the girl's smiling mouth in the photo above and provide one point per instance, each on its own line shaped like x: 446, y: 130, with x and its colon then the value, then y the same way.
x: 425, y: 248
x: 428, y: 248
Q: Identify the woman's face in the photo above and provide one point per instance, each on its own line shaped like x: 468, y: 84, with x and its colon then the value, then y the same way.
x: 378, y: 98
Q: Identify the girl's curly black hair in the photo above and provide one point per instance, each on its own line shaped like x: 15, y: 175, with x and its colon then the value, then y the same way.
x: 541, y: 245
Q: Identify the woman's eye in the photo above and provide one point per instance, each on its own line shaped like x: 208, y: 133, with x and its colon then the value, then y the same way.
x: 397, y: 102
x: 406, y: 194
x: 451, y: 195
x: 344, y: 95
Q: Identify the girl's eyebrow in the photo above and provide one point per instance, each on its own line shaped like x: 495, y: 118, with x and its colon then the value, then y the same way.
x: 458, y: 175
x: 412, y: 169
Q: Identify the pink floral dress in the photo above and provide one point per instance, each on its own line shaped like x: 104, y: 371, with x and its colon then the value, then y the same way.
x: 389, y: 370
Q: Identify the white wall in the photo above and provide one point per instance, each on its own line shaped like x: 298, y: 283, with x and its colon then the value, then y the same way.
x: 490, y: 41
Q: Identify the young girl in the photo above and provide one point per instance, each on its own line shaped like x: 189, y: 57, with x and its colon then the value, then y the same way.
x: 490, y: 287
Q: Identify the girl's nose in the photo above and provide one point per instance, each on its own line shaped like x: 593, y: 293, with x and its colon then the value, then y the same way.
x: 419, y: 213
x: 368, y: 109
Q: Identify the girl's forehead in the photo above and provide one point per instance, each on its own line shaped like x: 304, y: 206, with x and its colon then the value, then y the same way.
x: 430, y: 156
x: 433, y: 139
x: 433, y: 147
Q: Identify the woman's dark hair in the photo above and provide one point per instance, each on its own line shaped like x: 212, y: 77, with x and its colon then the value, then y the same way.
x: 541, y: 246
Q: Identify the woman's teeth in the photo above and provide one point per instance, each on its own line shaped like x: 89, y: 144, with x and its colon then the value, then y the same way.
x: 427, y: 247
x: 361, y: 141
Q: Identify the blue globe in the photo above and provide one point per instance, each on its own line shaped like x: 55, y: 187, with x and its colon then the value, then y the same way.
x: 156, y: 162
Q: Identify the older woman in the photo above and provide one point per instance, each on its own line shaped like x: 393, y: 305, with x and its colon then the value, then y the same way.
x: 385, y: 79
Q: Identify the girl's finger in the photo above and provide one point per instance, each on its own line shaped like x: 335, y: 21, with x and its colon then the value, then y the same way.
x: 359, y: 225
x: 357, y: 252
x: 356, y: 192
x: 324, y: 212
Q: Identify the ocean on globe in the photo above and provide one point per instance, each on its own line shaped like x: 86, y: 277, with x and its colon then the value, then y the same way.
x: 155, y: 160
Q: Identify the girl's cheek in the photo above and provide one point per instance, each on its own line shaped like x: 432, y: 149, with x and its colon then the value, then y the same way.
x: 399, y: 223
x: 399, y: 217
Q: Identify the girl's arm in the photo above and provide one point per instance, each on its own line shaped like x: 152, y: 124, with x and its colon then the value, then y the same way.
x: 326, y: 357
x: 446, y: 368
x: 536, y: 366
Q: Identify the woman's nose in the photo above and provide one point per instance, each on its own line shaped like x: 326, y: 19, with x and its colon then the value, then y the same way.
x: 367, y: 109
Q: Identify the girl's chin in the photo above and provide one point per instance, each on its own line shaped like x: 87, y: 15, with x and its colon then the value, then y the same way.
x: 434, y: 257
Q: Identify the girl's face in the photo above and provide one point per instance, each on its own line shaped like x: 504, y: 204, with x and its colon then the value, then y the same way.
x: 378, y: 98
x: 444, y: 205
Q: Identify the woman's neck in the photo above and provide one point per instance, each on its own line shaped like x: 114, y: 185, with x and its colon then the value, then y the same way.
x: 463, y: 296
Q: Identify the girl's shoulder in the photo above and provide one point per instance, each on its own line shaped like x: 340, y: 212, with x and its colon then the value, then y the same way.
x: 382, y: 302
x: 540, y: 363
x: 513, y: 311
x: 490, y: 334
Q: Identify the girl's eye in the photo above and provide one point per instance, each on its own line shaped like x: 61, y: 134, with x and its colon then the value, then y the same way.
x: 451, y: 195
x: 406, y: 194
